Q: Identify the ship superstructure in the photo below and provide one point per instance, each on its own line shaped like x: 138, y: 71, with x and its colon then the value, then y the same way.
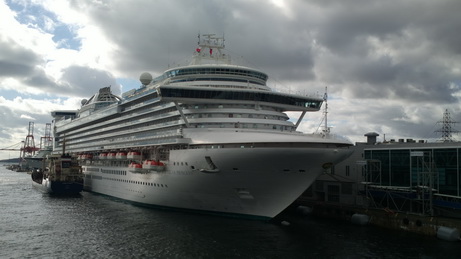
x: 209, y: 136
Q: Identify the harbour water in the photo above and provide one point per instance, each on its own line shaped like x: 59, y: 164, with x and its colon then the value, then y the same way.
x: 36, y: 225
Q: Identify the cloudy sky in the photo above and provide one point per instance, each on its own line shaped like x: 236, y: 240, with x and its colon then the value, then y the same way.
x: 392, y: 67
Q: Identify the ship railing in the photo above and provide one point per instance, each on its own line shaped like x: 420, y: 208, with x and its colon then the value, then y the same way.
x: 253, y: 87
x: 77, y: 138
x: 173, y: 134
x: 138, y: 93
x: 97, y: 127
x: 65, y: 124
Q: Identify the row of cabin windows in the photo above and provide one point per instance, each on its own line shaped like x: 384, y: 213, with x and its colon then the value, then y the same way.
x: 221, y: 106
x: 159, y: 133
x: 130, y: 126
x: 142, y: 114
x: 149, y: 134
x: 137, y: 182
x: 89, y: 136
x: 116, y: 172
x: 212, y: 70
x: 145, y: 114
x: 239, y: 125
x: 236, y: 115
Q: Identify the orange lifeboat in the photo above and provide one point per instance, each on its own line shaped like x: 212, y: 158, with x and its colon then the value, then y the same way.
x: 111, y: 156
x: 88, y: 156
x: 103, y: 156
x: 150, y: 164
x: 161, y: 166
x: 121, y: 155
x: 134, y: 155
x: 135, y: 167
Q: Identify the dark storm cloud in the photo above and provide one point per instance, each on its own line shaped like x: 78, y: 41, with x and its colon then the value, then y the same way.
x: 10, y: 119
x: 85, y: 81
x: 421, y: 40
x: 152, y: 35
x: 281, y: 44
x: 39, y: 79
x: 398, y: 61
x: 16, y: 60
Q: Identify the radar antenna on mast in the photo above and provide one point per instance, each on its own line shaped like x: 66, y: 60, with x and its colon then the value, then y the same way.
x: 447, y: 129
x: 210, y: 48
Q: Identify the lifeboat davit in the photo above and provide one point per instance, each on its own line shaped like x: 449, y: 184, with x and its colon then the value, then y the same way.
x: 103, y: 156
x: 135, y: 167
x: 111, y: 156
x: 121, y: 155
x: 134, y: 155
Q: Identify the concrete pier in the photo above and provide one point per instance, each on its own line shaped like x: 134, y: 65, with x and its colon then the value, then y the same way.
x: 420, y: 224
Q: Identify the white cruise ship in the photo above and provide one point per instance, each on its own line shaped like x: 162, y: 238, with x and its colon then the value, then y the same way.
x: 210, y: 137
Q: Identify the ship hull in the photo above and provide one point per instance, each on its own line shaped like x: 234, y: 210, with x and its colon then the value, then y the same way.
x: 257, y: 183
x: 58, y: 187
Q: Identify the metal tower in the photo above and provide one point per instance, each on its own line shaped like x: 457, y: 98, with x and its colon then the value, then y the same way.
x: 46, y: 141
x: 447, y: 129
x: 29, y: 144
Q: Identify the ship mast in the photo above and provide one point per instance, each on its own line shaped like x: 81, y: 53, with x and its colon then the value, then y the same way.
x: 326, y: 129
x: 210, y: 48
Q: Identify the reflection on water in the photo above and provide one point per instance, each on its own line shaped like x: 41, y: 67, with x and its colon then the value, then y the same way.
x: 38, y: 225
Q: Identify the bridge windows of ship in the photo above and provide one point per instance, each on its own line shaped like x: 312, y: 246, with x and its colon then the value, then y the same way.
x: 221, y: 79
x: 214, y: 71
x: 269, y: 97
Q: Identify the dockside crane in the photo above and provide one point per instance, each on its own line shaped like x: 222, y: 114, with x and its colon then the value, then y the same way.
x: 46, y: 141
x: 29, y: 148
x: 10, y: 148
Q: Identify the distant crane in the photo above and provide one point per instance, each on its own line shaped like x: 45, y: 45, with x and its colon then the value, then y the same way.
x: 10, y: 148
x: 29, y: 144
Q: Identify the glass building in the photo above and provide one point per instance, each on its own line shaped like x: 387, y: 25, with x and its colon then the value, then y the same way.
x: 407, y: 165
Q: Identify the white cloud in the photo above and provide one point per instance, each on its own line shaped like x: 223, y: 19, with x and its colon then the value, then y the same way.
x: 387, y: 69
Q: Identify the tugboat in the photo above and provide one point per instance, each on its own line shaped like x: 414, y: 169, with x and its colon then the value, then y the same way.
x: 62, y: 175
